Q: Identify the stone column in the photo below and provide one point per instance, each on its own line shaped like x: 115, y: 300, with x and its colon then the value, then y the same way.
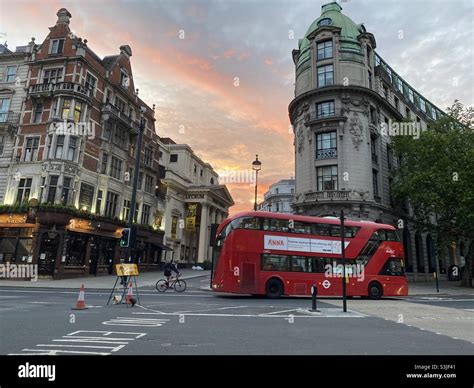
x: 202, y: 248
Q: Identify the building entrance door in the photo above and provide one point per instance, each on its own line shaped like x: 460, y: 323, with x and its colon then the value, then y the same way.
x: 47, y: 254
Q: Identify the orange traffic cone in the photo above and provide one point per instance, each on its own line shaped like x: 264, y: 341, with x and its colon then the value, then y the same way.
x: 130, y: 299
x: 80, y: 304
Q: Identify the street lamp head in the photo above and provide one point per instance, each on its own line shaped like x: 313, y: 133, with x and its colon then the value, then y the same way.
x: 256, y: 164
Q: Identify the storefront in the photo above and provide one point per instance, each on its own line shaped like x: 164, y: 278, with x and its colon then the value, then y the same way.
x: 66, y: 246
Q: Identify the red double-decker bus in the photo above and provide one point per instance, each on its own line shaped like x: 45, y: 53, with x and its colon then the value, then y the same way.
x: 276, y: 254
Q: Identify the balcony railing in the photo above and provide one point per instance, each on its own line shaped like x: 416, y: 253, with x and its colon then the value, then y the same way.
x: 60, y: 87
x: 328, y: 194
x: 326, y: 153
x: 109, y: 109
x: 10, y: 119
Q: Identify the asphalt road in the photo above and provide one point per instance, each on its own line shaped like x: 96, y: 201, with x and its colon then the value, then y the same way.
x: 41, y: 321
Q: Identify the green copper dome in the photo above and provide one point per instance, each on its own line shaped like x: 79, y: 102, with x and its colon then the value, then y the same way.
x: 331, y: 16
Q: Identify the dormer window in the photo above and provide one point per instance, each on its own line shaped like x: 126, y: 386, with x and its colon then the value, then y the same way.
x: 325, y: 22
x: 124, y: 79
x: 56, y: 46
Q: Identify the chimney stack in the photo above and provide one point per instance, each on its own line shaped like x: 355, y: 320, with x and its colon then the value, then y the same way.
x: 63, y: 16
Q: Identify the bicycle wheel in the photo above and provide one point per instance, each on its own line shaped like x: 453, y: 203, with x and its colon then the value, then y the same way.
x: 179, y: 285
x: 161, y: 285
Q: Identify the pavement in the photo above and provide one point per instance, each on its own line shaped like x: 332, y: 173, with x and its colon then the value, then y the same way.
x: 41, y: 321
x: 145, y: 279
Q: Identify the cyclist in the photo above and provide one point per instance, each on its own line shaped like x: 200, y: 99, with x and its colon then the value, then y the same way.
x: 170, y: 267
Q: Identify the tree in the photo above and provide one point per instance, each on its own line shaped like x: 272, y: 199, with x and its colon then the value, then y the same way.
x: 436, y: 175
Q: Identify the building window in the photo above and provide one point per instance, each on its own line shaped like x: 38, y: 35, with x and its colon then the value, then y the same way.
x: 120, y: 104
x: 66, y: 190
x: 327, y: 178
x: 52, y: 76
x: 49, y: 146
x: 326, y: 145
x: 38, y: 112
x: 4, y: 106
x: 137, y: 209
x: 389, y: 157
x: 126, y: 210
x: 31, y: 149
x: 277, y: 207
x: 201, y: 172
x: 173, y: 158
x: 407, y: 113
x: 116, y: 168
x: 373, y: 148
x: 411, y: 96
x: 86, y: 195
x: 375, y: 182
x: 140, y: 180
x: 377, y: 60
x: 58, y: 153
x: 11, y: 74
x: 325, y: 75
x: 423, y: 105
x: 145, y: 214
x: 325, y: 22
x: 72, y: 149
x: 120, y: 137
x: 385, y: 91
x: 325, y: 109
x: 77, y: 111
x: 111, y: 204
x: 370, y: 79
x: 98, y: 202
x: 91, y: 82
x: 2, y: 144
x: 397, y: 103
x: 369, y: 56
x: 52, y: 188
x: 103, y: 163
x: 108, y: 130
x: 324, y: 50
x: 66, y: 108
x: 148, y: 183
x: 148, y: 157
x: 56, y: 46
x: 373, y: 115
x: 24, y: 189
x: 399, y: 85
x: 124, y: 79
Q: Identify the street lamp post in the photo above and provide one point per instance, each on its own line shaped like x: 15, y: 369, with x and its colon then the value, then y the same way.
x: 343, y: 257
x: 133, y: 201
x: 256, y: 166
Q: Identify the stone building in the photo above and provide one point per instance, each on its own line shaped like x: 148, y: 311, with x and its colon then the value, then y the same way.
x: 348, y: 103
x: 194, y: 202
x: 280, y: 197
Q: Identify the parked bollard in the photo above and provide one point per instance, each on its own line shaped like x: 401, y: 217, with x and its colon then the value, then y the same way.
x: 314, y: 296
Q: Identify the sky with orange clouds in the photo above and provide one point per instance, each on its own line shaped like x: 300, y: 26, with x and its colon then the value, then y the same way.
x: 221, y: 73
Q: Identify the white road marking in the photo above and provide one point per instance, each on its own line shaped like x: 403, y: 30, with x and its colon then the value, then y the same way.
x: 137, y: 322
x: 278, y: 312
x: 53, y: 352
x: 112, y: 348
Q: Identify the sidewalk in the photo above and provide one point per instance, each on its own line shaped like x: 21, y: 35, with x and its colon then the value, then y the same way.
x: 445, y: 288
x: 100, y: 282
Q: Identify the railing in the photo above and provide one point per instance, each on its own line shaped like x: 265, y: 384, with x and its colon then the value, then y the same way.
x: 72, y: 87
x: 326, y: 153
x: 329, y: 194
x: 108, y: 108
x: 10, y: 118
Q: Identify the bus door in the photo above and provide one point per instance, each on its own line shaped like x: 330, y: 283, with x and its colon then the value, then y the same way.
x: 248, y: 275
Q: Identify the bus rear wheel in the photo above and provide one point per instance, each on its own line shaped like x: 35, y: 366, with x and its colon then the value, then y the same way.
x: 375, y: 290
x: 274, y: 289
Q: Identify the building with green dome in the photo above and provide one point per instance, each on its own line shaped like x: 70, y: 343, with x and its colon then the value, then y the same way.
x: 348, y: 103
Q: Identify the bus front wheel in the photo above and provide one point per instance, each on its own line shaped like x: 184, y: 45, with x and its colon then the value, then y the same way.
x: 274, y: 289
x: 375, y: 290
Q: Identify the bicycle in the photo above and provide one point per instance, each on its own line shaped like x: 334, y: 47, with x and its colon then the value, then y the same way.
x: 177, y: 284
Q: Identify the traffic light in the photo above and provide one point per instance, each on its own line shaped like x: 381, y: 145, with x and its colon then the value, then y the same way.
x: 125, y: 239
